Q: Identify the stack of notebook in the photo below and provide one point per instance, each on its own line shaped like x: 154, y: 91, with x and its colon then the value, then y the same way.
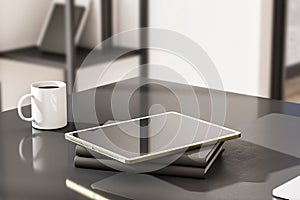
x: 193, y: 163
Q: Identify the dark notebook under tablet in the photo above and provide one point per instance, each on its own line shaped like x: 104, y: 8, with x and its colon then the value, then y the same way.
x: 170, y: 170
x: 196, y: 157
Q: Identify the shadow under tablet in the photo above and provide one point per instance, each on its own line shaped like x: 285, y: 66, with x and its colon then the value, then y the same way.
x: 268, y: 144
x: 242, y: 162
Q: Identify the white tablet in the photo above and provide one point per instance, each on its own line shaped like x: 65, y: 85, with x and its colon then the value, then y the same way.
x: 150, y: 137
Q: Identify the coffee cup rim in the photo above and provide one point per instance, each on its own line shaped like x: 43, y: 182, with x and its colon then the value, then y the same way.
x: 58, y: 84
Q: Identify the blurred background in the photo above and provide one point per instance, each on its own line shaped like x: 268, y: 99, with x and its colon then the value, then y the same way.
x: 292, y: 52
x: 255, y: 44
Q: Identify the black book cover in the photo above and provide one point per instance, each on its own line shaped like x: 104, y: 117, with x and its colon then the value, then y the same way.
x: 171, y: 170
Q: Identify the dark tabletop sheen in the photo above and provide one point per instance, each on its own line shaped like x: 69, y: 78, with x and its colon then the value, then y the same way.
x: 38, y: 164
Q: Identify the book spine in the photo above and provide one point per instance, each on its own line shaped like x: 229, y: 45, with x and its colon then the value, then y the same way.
x: 189, y: 158
x: 90, y: 163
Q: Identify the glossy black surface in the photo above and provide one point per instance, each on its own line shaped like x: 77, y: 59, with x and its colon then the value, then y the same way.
x: 39, y: 164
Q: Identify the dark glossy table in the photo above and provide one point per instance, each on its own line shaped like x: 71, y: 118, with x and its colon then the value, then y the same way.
x: 40, y: 165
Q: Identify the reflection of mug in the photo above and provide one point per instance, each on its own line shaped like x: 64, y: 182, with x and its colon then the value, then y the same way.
x: 48, y: 105
x: 49, y: 151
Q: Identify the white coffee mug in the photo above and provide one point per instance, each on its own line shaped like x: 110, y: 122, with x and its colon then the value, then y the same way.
x: 48, y: 105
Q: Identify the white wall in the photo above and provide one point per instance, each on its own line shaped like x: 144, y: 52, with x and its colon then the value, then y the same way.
x: 107, y: 73
x: 126, y: 17
x: 293, y: 33
x: 21, y: 22
x: 91, y: 34
x: 16, y: 78
x: 236, y: 34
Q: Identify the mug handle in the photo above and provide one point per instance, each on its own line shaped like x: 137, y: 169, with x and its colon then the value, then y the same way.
x: 29, y: 119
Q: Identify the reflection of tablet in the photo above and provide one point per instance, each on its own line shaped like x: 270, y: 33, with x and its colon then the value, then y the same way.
x: 150, y: 137
x: 52, y: 37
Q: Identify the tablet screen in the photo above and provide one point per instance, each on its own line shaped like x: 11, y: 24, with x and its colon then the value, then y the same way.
x: 151, y: 137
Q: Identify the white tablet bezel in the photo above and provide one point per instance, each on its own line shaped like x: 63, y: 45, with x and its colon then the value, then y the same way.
x: 69, y: 136
x: 85, y: 3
